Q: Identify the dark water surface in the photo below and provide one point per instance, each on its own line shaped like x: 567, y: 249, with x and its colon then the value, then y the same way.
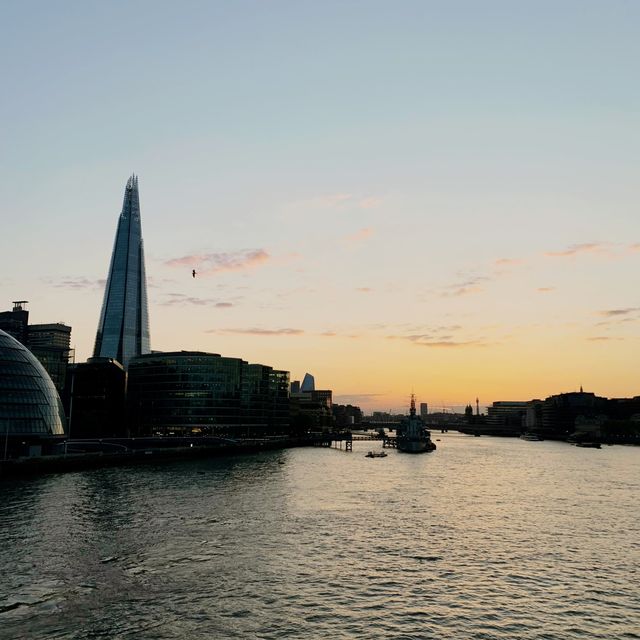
x: 485, y: 538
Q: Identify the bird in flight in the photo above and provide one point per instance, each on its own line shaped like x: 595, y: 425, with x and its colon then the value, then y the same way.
x: 193, y: 273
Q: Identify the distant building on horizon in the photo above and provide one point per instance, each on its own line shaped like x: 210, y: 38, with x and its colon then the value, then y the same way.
x: 424, y: 410
x: 308, y: 383
x: 123, y: 329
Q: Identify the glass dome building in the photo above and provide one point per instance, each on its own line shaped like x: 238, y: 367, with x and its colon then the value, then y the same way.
x: 30, y: 406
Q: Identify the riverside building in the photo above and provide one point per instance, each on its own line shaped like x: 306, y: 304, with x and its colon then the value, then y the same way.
x: 197, y: 393
x: 31, y: 414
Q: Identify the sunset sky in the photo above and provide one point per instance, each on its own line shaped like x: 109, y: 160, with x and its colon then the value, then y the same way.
x: 438, y: 197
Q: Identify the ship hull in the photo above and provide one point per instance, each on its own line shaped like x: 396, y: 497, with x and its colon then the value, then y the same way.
x: 415, y: 446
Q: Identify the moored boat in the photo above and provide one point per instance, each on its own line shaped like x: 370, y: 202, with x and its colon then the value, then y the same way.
x: 413, y: 436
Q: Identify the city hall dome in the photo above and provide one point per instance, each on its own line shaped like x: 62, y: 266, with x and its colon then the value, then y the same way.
x: 29, y: 402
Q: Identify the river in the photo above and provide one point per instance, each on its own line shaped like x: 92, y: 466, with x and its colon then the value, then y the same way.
x: 491, y: 538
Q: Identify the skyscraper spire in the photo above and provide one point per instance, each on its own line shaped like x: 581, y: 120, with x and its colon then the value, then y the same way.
x: 123, y: 329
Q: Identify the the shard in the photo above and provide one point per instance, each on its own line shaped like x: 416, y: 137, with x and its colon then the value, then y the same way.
x: 123, y: 330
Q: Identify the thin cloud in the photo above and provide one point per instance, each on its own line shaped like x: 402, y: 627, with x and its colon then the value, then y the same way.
x: 369, y: 203
x: 180, y: 299
x: 439, y: 342
x: 333, y: 200
x: 359, y: 236
x: 255, y: 331
x: 507, y: 262
x: 578, y: 249
x: 78, y: 283
x: 461, y: 291
x: 467, y: 286
x: 452, y: 344
x: 603, y: 338
x: 211, y: 263
x: 615, y: 313
x: 364, y: 289
x: 545, y: 289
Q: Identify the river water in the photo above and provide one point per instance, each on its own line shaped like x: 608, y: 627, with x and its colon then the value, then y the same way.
x: 484, y: 538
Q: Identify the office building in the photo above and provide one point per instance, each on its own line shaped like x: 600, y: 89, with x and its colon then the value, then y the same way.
x: 95, y: 399
x: 197, y: 393
x: 507, y: 417
x: 123, y: 329
x: 51, y: 344
x: 308, y: 383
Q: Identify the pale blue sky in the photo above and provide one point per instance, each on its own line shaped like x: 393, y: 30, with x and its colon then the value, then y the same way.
x: 383, y: 154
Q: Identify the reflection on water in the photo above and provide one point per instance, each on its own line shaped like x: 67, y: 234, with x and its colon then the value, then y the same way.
x: 485, y: 538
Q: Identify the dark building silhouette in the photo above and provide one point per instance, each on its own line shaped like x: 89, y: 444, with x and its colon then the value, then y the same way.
x: 346, y: 415
x: 123, y: 329
x: 507, y: 417
x: 192, y: 393
x: 560, y: 412
x: 50, y: 343
x: 265, y: 399
x: 95, y: 399
x: 16, y: 321
x: 311, y: 409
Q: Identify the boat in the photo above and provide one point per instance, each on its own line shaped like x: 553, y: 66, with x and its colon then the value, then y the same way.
x: 376, y: 454
x: 588, y: 445
x: 413, y: 436
x: 531, y: 437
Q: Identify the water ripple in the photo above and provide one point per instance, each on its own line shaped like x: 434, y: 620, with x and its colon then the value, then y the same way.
x: 486, y: 538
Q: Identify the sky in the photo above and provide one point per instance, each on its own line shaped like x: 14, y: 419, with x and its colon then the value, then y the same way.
x: 429, y: 197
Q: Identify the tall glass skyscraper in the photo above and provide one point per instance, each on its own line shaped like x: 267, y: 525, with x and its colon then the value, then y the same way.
x: 123, y: 330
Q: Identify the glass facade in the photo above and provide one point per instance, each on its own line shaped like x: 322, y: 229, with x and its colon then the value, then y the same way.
x: 29, y: 402
x: 123, y: 330
x: 190, y: 393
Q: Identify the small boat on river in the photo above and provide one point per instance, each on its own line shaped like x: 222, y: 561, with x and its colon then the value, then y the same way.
x: 376, y: 454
